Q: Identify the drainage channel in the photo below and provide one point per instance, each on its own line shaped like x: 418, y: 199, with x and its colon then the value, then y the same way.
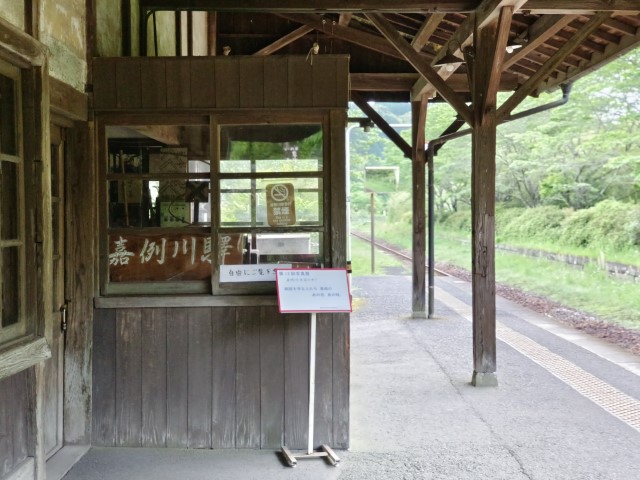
x: 612, y: 400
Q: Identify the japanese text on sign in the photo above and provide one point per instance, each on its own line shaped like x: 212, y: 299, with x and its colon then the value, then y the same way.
x: 313, y: 290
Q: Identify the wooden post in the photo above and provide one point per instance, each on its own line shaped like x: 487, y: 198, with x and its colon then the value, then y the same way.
x: 490, y: 43
x: 418, y: 120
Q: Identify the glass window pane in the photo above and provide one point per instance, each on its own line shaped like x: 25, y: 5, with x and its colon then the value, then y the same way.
x: 8, y: 126
x: 271, y: 202
x: 10, y: 285
x: 150, y: 257
x: 9, y: 203
x: 246, y: 257
x: 271, y: 148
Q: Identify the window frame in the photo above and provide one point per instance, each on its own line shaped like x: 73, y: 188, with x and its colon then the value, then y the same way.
x: 221, y: 121
x: 215, y: 122
x: 24, y: 323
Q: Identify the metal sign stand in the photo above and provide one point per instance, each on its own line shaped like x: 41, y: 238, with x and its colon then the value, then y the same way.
x: 325, y: 450
x: 312, y: 290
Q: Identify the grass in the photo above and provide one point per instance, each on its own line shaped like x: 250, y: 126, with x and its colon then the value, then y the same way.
x: 590, y: 290
x: 384, y: 262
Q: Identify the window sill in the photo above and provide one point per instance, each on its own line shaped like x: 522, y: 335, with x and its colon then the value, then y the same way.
x: 186, y: 301
x: 23, y: 354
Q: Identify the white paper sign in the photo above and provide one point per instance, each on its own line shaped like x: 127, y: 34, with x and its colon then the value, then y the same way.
x: 313, y: 290
x: 260, y: 272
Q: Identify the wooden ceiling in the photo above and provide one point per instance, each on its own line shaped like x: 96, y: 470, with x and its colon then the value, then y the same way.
x: 389, y: 42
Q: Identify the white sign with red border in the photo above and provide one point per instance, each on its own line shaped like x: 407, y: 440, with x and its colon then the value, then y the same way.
x: 309, y: 290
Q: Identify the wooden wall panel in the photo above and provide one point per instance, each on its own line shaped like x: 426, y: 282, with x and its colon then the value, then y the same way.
x: 218, y: 377
x: 271, y: 378
x: 248, y: 377
x: 104, y: 84
x: 200, y: 379
x: 251, y: 74
x: 223, y: 422
x: 276, y: 84
x: 129, y: 378
x: 221, y: 82
x: 177, y: 378
x: 154, y: 377
x: 14, y: 407
x: 296, y: 380
x: 178, y: 83
x: 20, y: 417
x: 203, y: 80
x: 300, y: 80
x: 7, y: 408
x: 104, y: 378
x: 341, y: 375
x: 343, y: 92
x: 227, y: 84
x: 323, y: 405
x: 154, y: 90
x: 324, y: 84
x: 129, y: 84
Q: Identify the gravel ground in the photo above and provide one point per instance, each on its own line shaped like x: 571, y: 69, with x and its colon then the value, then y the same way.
x: 591, y: 324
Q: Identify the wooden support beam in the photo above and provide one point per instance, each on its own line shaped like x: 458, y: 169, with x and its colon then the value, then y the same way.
x: 320, y: 6
x: 344, y: 19
x: 418, y: 121
x: 426, y: 30
x: 381, y: 123
x: 284, y: 41
x: 404, y: 82
x: 422, y: 66
x: 483, y: 178
x: 390, y: 6
x: 535, y: 80
x: 365, y: 40
x: 495, y: 58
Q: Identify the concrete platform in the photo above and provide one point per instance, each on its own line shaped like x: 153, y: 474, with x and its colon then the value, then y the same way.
x: 566, y: 405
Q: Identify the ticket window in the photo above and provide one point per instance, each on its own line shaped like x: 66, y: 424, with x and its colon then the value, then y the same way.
x: 179, y: 222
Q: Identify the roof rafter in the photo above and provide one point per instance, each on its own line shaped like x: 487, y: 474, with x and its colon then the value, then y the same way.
x: 422, y: 66
x: 543, y: 29
x: 535, y: 80
x: 612, y: 52
x: 426, y: 30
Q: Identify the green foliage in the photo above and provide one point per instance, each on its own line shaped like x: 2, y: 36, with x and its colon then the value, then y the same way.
x: 608, y: 225
x: 541, y: 223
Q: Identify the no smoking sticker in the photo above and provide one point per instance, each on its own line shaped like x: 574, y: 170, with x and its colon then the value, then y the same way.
x: 281, y: 207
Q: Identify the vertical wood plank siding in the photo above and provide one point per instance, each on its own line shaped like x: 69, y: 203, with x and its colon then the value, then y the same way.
x: 13, y: 422
x: 153, y: 83
x: 231, y: 377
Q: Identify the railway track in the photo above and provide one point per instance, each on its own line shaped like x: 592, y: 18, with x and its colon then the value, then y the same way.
x: 392, y: 250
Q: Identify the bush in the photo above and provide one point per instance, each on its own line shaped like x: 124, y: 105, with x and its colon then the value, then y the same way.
x: 540, y: 223
x: 608, y: 225
x: 460, y: 220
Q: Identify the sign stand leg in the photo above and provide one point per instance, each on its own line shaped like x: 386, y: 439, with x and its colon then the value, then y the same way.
x: 326, y: 451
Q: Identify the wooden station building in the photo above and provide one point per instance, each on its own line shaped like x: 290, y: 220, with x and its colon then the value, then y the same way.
x: 160, y: 158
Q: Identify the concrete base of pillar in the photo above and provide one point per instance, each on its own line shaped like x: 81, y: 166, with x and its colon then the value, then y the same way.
x: 484, y: 379
x: 419, y: 315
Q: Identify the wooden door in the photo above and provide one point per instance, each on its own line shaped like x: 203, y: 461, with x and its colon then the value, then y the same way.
x: 54, y: 372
